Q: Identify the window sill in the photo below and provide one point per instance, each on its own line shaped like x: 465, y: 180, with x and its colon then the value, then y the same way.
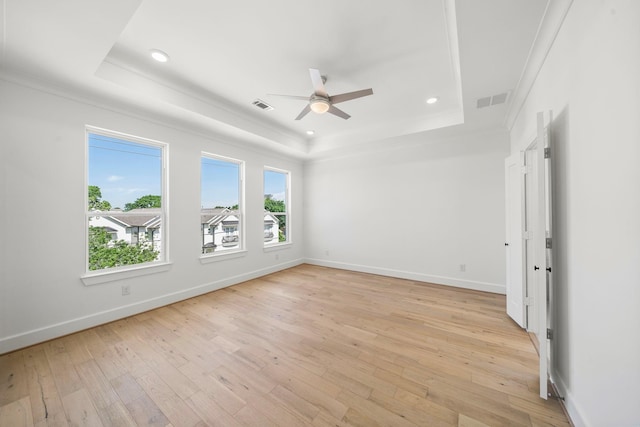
x: 277, y: 246
x: 113, y: 275
x: 206, y: 259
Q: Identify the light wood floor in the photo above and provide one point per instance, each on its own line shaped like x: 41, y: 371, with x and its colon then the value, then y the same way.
x: 305, y: 346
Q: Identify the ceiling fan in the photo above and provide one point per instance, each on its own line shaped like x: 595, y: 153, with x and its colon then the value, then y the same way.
x: 320, y: 102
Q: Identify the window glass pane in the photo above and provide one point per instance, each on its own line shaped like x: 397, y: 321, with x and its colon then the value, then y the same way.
x: 111, y: 244
x: 220, y: 216
x: 275, y: 206
x: 124, y: 202
x: 125, y: 172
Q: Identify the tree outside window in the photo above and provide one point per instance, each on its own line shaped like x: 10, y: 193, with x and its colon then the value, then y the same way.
x: 276, y: 197
x: 125, y: 190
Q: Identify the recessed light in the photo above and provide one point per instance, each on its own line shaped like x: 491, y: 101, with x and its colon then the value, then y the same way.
x: 432, y: 100
x: 310, y: 132
x: 159, y: 55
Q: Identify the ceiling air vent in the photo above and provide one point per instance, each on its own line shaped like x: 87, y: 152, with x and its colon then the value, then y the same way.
x: 488, y: 101
x: 262, y: 105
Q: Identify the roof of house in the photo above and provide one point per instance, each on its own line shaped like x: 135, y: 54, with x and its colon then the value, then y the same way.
x: 213, y: 216
x: 147, y: 217
x: 150, y: 217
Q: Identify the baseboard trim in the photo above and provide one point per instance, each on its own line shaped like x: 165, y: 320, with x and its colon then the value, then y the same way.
x: 569, y: 405
x: 420, y: 277
x: 559, y: 390
x: 35, y: 336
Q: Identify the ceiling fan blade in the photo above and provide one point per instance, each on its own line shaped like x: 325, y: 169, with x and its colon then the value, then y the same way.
x: 304, y: 112
x: 318, y: 84
x: 338, y: 112
x: 350, y: 95
x: 305, y: 98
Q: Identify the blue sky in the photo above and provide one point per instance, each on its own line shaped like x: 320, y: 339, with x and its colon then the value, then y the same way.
x: 275, y: 183
x: 125, y: 171
x: 220, y: 183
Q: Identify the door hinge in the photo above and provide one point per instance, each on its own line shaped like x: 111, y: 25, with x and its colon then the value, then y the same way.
x: 547, y: 153
x: 549, y: 334
x: 548, y: 242
x: 528, y: 301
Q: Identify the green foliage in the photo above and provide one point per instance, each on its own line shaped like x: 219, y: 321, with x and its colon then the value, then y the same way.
x: 95, y: 199
x: 144, y: 202
x: 105, y: 253
x: 271, y: 205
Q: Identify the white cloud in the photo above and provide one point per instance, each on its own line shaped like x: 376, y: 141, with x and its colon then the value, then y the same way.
x: 278, y: 196
x: 114, y: 178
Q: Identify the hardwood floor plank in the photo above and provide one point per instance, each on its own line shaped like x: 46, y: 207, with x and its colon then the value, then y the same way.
x: 46, y: 404
x: 380, y: 414
x: 325, y: 420
x: 210, y: 411
x: 127, y: 388
x: 353, y: 417
x: 96, y: 384
x: 411, y: 412
x: 302, y: 408
x: 17, y: 413
x: 542, y: 411
x: 465, y: 421
x: 145, y: 412
x: 207, y: 382
x: 80, y: 410
x: 305, y: 346
x: 250, y: 417
x: 171, y: 405
x: 401, y: 383
x: 116, y: 414
x: 275, y: 412
x: 62, y: 367
x: 13, y: 378
x: 319, y: 393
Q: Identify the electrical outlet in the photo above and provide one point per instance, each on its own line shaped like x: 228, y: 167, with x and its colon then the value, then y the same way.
x: 126, y: 290
x: 277, y: 257
x: 463, y: 267
x: 326, y: 253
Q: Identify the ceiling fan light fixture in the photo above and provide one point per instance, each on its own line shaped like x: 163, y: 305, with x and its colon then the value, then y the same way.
x: 319, y: 105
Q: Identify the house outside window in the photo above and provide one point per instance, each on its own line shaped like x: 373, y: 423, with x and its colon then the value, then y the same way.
x: 221, y: 199
x: 276, y: 204
x: 125, y: 201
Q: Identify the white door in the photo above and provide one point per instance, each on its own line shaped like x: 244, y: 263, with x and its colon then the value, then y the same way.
x: 543, y: 245
x: 514, y: 185
x: 530, y: 201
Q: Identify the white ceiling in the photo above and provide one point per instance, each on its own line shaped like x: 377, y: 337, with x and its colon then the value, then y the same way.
x: 226, y: 54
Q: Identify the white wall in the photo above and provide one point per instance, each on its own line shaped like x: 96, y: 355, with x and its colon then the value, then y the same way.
x: 416, y: 209
x: 591, y: 82
x: 43, y: 230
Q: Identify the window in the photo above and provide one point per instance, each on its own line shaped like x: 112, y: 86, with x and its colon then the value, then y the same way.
x: 276, y: 206
x: 221, y: 219
x: 125, y: 201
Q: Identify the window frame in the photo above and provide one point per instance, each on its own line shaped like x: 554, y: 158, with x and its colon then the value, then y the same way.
x: 287, y: 204
x: 240, y: 228
x: 93, y: 277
